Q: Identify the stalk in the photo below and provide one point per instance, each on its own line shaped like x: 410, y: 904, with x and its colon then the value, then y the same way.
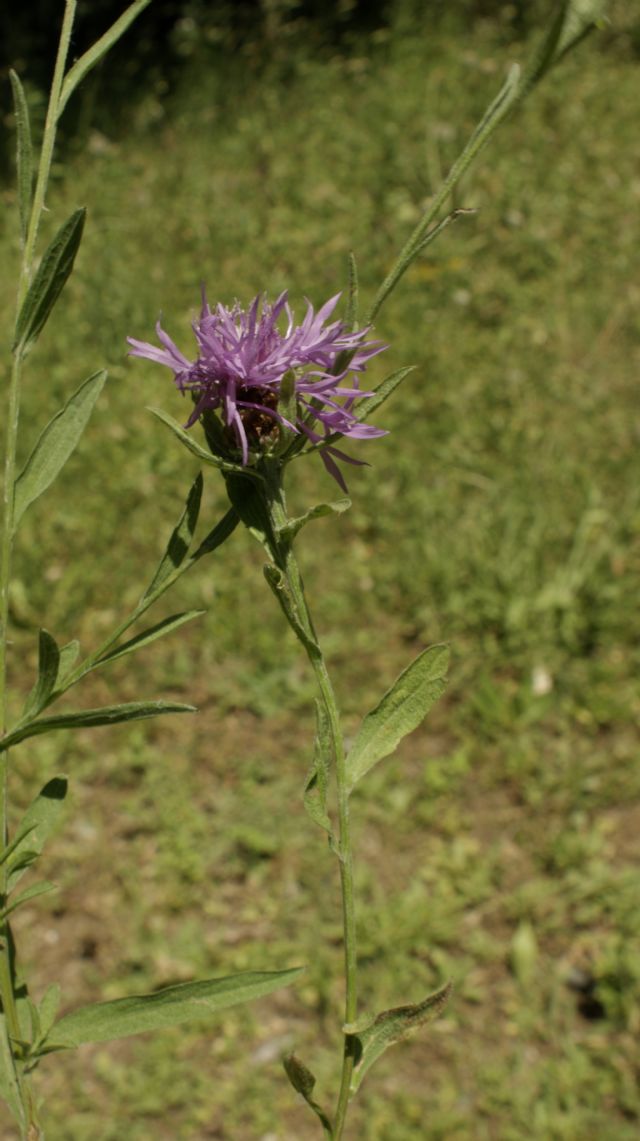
x: 284, y: 557
x: 10, y: 1023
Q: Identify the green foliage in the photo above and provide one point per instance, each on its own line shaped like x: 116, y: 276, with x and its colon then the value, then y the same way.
x: 24, y: 153
x: 104, y: 1021
x: 50, y: 279
x: 55, y: 445
x: 372, y: 1036
x: 400, y: 711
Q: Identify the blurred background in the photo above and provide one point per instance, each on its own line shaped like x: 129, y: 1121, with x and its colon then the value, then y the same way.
x: 252, y: 145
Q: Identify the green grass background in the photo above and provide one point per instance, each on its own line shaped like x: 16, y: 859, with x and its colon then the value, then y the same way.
x: 500, y: 846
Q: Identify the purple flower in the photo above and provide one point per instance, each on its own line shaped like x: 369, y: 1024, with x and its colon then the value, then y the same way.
x: 243, y: 357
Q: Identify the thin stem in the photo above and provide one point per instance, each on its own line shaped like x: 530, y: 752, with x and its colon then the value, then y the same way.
x: 286, y: 560
x: 10, y: 1022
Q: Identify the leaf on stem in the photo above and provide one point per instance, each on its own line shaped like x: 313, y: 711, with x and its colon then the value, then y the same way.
x: 24, y: 154
x: 48, y: 670
x: 351, y: 315
x: 149, y: 635
x: 55, y: 444
x: 68, y: 658
x: 180, y: 541
x: 317, y: 782
x: 89, y: 718
x: 218, y: 534
x: 49, y: 281
x: 369, y: 404
x: 94, y: 54
x: 106, y: 1021
x: 36, y: 889
x: 399, y: 712
x: 293, y: 526
x: 373, y: 1037
x: 36, y: 826
x: 196, y: 449
x: 303, y: 1082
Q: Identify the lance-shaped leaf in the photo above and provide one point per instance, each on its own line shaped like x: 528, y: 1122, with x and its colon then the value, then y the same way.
x: 180, y: 540
x: 35, y: 828
x: 400, y: 711
x: 106, y: 1021
x: 293, y: 526
x: 48, y: 670
x: 9, y: 1087
x: 218, y: 534
x: 150, y: 635
x: 317, y: 783
x: 373, y: 1037
x: 89, y: 718
x: 36, y: 889
x: 24, y: 153
x: 351, y: 315
x: 49, y: 281
x: 55, y: 445
x: 196, y: 449
x: 249, y: 504
x: 95, y: 53
x: 303, y: 1082
x: 68, y: 658
x: 369, y: 404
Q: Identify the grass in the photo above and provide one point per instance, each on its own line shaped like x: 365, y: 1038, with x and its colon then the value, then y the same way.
x: 500, y: 847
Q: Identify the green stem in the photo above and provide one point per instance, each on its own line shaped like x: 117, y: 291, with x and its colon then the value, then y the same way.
x: 10, y: 1023
x: 283, y: 555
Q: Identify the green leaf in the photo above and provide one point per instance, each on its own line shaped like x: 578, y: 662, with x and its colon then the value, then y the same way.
x: 95, y: 53
x: 582, y: 17
x: 49, y: 281
x: 48, y: 1009
x: 196, y: 449
x: 370, y: 404
x: 68, y: 658
x: 293, y: 526
x: 372, y: 1038
x: 36, y: 826
x: 105, y: 1021
x: 9, y: 1088
x: 150, y: 635
x: 218, y: 535
x: 399, y: 712
x: 24, y: 153
x: 36, y: 889
x: 351, y: 316
x: 89, y: 718
x: 180, y: 541
x: 303, y: 1082
x: 248, y: 502
x: 48, y: 670
x: 56, y: 444
x: 317, y: 782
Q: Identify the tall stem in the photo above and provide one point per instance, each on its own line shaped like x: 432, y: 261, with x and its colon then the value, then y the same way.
x: 282, y: 552
x: 10, y: 1029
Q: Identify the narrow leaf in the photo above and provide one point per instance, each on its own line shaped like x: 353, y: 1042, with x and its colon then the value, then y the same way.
x: 48, y: 669
x: 196, y: 449
x: 36, y: 889
x: 105, y: 1021
x: 68, y: 658
x: 370, y: 404
x: 55, y: 445
x: 291, y: 529
x: 218, y: 535
x: 389, y: 1027
x: 89, y: 718
x: 24, y: 153
x: 37, y: 825
x: 150, y: 635
x: 317, y: 782
x: 9, y: 1087
x: 48, y: 1009
x: 180, y: 541
x: 303, y: 1082
x: 49, y: 281
x: 249, y: 504
x: 351, y: 316
x: 399, y: 712
x: 83, y: 66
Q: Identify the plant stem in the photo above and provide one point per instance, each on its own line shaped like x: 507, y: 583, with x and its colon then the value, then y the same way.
x: 282, y: 552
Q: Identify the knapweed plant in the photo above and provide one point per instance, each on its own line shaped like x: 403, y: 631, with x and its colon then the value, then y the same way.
x: 266, y: 390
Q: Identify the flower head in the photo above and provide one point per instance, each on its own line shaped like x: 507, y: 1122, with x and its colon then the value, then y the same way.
x: 243, y: 359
